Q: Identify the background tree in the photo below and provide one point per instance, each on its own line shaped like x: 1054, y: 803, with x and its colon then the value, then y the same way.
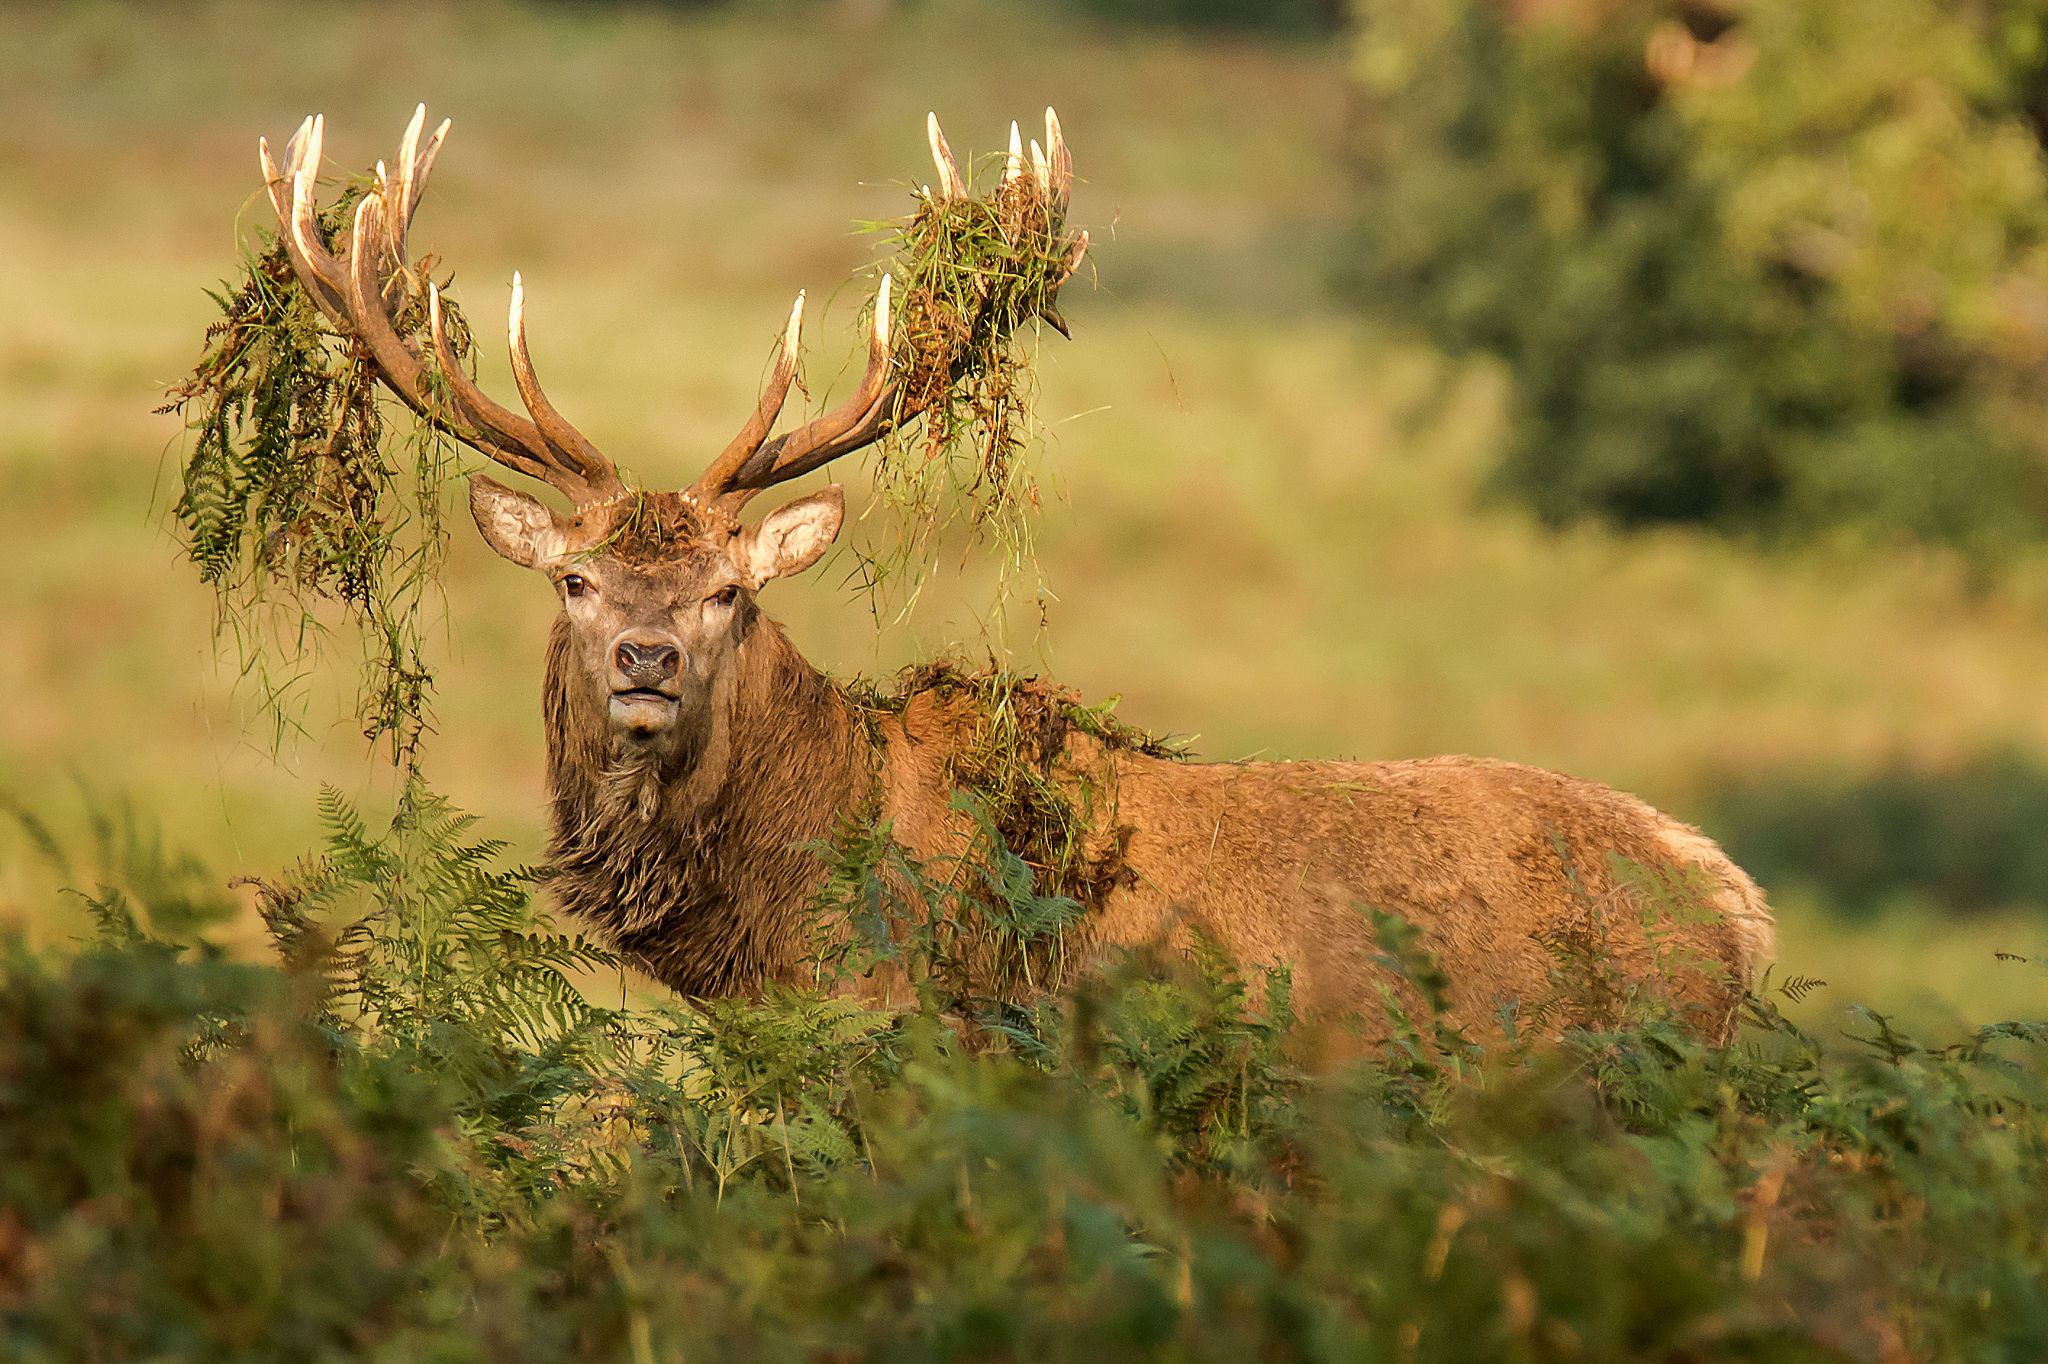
x: 1774, y: 268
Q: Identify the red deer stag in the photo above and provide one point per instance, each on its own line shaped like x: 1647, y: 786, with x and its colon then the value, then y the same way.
x: 693, y: 753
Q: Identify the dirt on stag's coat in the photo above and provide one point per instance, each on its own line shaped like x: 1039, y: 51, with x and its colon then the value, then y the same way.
x: 1508, y: 870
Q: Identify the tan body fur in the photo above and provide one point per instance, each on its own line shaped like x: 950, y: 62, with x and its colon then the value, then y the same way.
x: 1271, y: 861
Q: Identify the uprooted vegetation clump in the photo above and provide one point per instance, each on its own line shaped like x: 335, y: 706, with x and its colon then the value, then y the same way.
x: 1042, y: 841
x: 296, y: 497
x: 386, y: 1146
x: 968, y: 267
x: 1050, y: 801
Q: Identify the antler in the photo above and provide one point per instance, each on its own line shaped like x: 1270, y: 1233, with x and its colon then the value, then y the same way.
x: 751, y: 462
x: 358, y: 289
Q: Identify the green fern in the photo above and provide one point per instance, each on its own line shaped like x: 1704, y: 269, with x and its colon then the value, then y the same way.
x: 293, y: 501
x: 418, y: 928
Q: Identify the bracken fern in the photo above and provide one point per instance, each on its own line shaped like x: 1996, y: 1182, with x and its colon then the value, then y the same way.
x: 290, y: 501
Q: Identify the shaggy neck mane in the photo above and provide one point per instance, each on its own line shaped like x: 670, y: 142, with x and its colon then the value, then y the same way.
x: 692, y: 868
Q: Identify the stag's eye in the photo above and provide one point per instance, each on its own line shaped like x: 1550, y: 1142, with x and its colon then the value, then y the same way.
x: 724, y: 596
x: 574, y: 585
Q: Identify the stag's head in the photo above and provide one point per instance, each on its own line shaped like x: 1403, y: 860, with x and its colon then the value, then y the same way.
x: 656, y: 587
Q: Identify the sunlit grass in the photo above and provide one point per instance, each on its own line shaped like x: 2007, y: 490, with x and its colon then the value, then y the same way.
x: 1928, y: 970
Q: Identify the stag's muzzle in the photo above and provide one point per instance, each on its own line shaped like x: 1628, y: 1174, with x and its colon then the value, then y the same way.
x: 646, y: 678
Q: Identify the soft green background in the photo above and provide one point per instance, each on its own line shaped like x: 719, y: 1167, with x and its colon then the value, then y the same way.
x: 1266, y: 534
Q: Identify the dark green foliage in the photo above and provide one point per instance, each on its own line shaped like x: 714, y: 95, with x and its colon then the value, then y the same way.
x: 971, y: 935
x: 416, y: 931
x: 1197, y: 1052
x: 804, y: 1176
x: 291, y: 501
x: 1763, y: 267
x: 1288, y: 18
x: 1967, y: 838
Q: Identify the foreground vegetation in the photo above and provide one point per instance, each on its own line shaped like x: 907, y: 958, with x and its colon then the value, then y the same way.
x: 413, y: 1137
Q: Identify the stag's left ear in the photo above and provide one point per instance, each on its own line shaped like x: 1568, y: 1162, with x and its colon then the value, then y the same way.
x: 789, y: 539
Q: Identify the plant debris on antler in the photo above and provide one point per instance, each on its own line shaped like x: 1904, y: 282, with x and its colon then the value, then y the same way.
x: 289, y: 500
x: 971, y: 269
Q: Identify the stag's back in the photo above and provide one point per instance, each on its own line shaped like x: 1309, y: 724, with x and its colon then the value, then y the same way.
x: 1518, y: 878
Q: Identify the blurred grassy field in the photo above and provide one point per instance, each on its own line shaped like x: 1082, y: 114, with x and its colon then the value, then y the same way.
x: 1268, y: 535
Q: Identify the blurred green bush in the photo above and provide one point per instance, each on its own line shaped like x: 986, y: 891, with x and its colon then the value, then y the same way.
x: 1773, y: 267
x: 1969, y: 838
x: 1295, y: 17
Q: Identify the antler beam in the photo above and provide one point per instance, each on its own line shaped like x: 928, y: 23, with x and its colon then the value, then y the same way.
x: 358, y: 291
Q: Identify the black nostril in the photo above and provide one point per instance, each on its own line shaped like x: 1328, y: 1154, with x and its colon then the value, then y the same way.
x: 647, y: 662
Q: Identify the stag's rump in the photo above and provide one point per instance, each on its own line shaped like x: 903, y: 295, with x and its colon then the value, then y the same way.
x: 1509, y: 871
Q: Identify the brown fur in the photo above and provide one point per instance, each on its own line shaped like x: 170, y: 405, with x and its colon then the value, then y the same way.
x: 694, y: 869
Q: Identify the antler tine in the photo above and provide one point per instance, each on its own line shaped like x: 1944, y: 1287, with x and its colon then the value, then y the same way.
x: 303, y: 230
x: 951, y: 185
x: 393, y: 244
x: 401, y: 367
x: 717, y: 477
x: 282, y: 187
x: 353, y: 294
x: 399, y: 198
x: 402, y: 198
x: 1013, y: 167
x: 1040, y: 171
x: 583, y: 475
x: 279, y: 182
x: 1074, y: 258
x: 1060, y: 183
x: 297, y: 142
x: 402, y: 195
x: 566, y: 440
x: 472, y: 407
x: 858, y: 421
x: 426, y: 163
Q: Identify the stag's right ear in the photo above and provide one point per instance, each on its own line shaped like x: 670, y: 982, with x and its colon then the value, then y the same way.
x: 521, y: 528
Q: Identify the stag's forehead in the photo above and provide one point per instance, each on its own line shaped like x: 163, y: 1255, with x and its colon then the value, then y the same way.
x: 646, y: 531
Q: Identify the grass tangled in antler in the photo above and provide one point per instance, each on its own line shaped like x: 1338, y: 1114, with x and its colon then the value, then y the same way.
x: 290, y: 503
x: 971, y: 272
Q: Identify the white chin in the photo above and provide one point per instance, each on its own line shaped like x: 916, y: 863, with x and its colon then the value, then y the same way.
x: 642, y: 717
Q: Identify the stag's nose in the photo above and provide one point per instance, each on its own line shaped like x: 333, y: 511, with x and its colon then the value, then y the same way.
x: 646, y: 663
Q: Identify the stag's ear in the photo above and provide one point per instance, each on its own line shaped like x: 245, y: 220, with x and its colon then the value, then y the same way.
x: 790, y: 538
x: 519, y: 527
